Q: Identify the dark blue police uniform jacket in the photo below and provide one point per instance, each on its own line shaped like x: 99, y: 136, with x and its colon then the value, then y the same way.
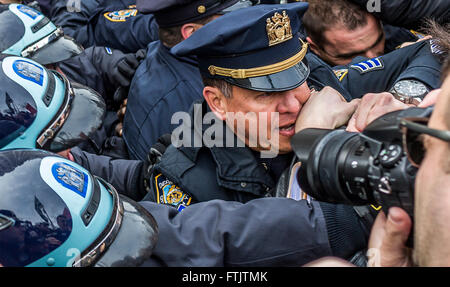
x: 415, y: 62
x: 163, y: 85
x: 114, y: 23
x: 262, y: 233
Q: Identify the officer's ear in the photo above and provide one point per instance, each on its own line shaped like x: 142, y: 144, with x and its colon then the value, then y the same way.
x: 216, y: 101
x: 188, y: 29
x: 313, y: 46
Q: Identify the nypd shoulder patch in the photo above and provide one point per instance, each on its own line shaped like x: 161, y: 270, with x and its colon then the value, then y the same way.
x: 368, y: 65
x: 169, y: 193
x: 121, y: 15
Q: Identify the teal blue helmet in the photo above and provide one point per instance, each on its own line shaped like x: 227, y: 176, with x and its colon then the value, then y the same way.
x: 26, y: 32
x: 40, y: 108
x: 53, y: 212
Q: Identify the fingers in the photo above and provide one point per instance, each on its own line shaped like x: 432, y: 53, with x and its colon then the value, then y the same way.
x: 387, y: 243
x: 123, y: 81
x: 132, y: 61
x: 363, y: 111
x: 398, y: 227
x: 127, y: 68
x: 351, y: 125
x: 347, y: 113
x: 373, y: 106
x: 378, y: 231
x: 430, y: 99
x: 329, y: 262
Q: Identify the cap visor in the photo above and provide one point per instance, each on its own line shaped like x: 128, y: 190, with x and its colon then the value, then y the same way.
x: 85, y: 118
x: 282, y: 81
x: 136, y: 239
x: 60, y: 50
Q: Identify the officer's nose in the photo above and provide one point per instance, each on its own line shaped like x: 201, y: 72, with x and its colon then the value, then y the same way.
x: 289, y: 103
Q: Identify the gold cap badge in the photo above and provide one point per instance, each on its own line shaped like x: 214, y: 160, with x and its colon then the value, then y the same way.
x: 278, y: 28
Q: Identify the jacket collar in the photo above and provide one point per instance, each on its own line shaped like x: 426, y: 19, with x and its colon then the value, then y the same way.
x: 237, y: 167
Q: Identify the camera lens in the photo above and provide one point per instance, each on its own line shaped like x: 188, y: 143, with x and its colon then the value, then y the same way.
x: 334, y: 166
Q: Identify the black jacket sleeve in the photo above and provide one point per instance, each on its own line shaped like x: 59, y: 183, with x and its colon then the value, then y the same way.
x: 74, y: 16
x: 83, y: 69
x: 262, y: 232
x: 415, y: 62
x: 408, y: 13
x: 124, y: 175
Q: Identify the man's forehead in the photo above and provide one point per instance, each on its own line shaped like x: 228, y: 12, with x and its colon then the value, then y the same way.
x: 342, y: 38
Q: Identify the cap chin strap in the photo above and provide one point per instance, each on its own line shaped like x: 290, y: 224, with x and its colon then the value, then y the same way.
x: 261, y: 71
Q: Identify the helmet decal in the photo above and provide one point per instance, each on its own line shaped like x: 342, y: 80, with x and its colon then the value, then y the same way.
x: 70, y: 177
x: 33, y: 14
x: 29, y: 71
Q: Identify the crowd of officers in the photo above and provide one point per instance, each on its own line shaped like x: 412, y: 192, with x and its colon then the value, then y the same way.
x: 138, y: 63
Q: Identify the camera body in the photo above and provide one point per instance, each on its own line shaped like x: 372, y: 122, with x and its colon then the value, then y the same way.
x: 359, y: 168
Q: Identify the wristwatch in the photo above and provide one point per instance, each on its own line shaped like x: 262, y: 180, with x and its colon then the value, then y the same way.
x: 409, y: 91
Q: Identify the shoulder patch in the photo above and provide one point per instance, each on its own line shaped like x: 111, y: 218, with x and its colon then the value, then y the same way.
x: 340, y: 74
x: 169, y: 193
x: 369, y: 65
x: 417, y: 34
x: 121, y: 15
x: 435, y: 47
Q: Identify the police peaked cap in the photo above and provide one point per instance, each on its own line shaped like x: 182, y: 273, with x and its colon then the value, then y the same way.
x: 170, y: 13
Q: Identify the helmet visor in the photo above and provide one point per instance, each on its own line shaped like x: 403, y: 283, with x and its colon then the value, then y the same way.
x: 129, y: 238
x: 52, y: 49
x: 78, y: 120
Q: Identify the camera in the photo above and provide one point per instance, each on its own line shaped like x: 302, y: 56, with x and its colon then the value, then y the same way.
x: 359, y: 168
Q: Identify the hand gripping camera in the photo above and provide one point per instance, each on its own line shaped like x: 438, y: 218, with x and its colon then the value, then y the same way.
x: 372, y: 167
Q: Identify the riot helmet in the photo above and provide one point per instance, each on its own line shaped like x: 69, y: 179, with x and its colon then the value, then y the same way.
x: 26, y: 32
x: 53, y: 212
x: 41, y: 108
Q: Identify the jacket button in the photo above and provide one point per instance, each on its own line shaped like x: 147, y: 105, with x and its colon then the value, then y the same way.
x: 243, y: 184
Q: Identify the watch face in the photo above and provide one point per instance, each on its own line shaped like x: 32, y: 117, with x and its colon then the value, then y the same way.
x: 411, y: 88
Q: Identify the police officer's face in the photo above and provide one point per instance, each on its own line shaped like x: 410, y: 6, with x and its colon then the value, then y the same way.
x: 342, y: 45
x: 265, y: 106
x: 432, y: 190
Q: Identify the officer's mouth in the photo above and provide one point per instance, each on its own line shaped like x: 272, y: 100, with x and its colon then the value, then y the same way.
x: 287, y: 130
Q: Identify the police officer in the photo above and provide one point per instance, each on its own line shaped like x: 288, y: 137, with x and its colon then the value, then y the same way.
x: 72, y: 218
x: 351, y: 31
x: 116, y: 24
x: 183, y: 166
x: 165, y: 83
